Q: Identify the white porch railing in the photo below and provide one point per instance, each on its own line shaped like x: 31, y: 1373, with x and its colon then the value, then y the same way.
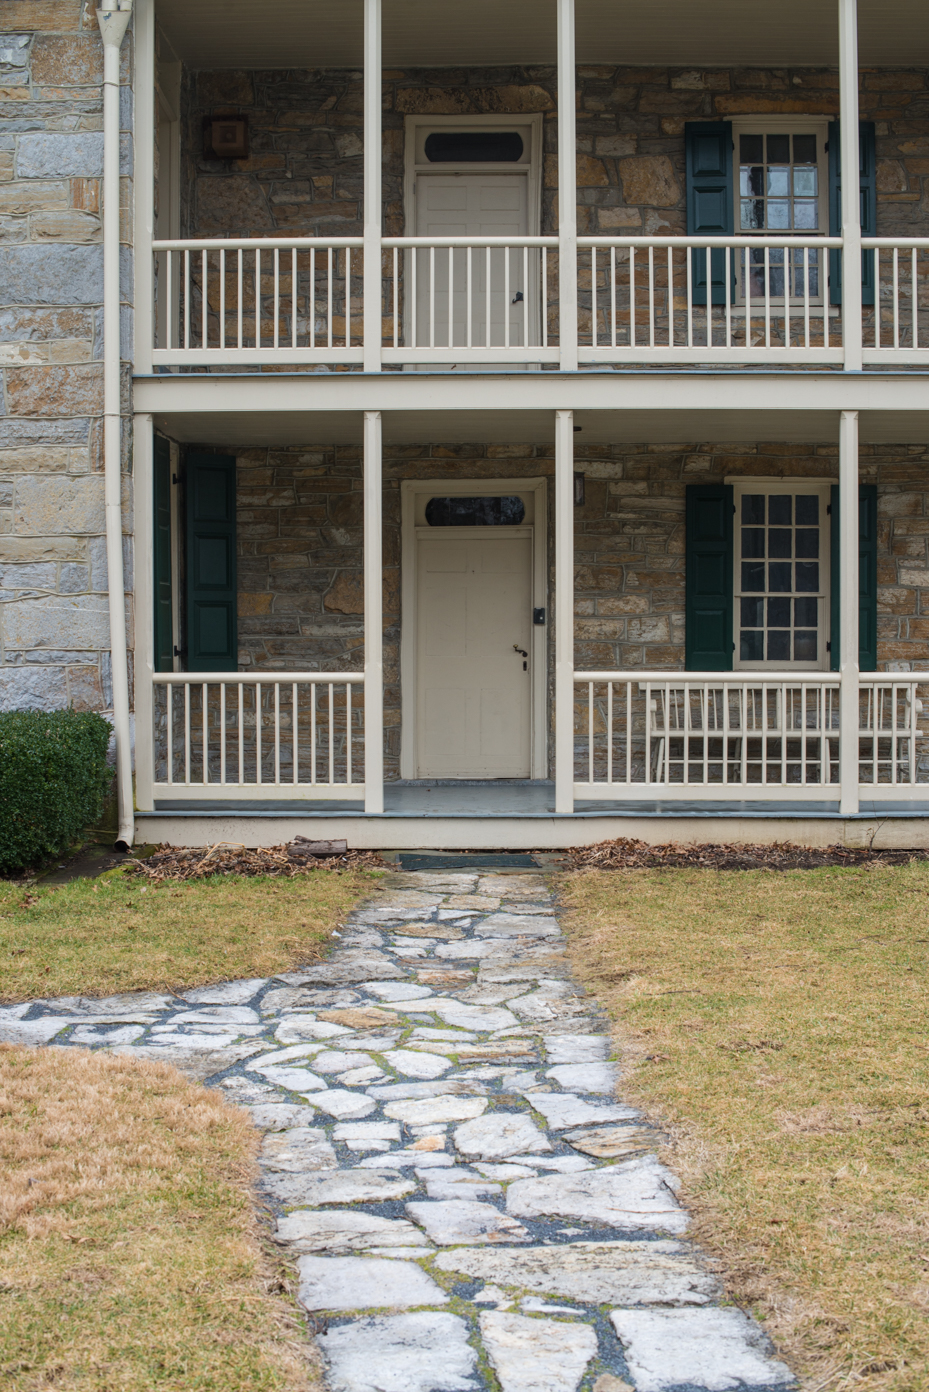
x: 293, y: 735
x: 730, y: 735
x: 899, y: 328
x: 641, y: 298
x: 281, y: 300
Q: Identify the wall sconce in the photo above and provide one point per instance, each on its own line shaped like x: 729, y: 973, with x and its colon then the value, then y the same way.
x: 578, y: 490
x: 225, y: 137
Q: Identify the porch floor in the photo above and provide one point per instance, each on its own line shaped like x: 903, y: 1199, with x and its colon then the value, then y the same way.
x: 492, y: 799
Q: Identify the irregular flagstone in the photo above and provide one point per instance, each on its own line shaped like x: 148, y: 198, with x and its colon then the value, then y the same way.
x: 296, y: 1027
x: 715, y: 1349
x: 594, y: 1273
x: 421, y: 1352
x: 396, y: 990
x: 475, y: 1017
x: 361, y: 1283
x: 565, y: 1164
x: 337, y: 1187
x: 134, y: 1001
x: 633, y: 1194
x: 576, y: 1048
x: 536, y: 1355
x: 340, y: 1060
x: 356, y: 1133
x: 421, y: 1110
x: 609, y: 1142
x: 499, y: 1134
x: 445, y: 1087
x: 586, y: 1077
x: 562, y: 1110
x: 227, y: 993
x: 297, y: 1149
x: 455, y: 1183
x: 293, y: 1079
x: 446, y: 931
x: 356, y: 1017
x: 352, y: 965
x: 280, y: 1116
x: 504, y: 925
x: 410, y: 1158
x: 218, y: 1015
x: 196, y: 1064
x: 346, y: 1230
x: 414, y: 1064
x: 452, y: 1221
x: 342, y: 1104
x: 119, y: 1034
x: 34, y: 1031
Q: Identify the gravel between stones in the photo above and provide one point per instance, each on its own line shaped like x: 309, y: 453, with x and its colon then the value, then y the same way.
x: 445, y: 1154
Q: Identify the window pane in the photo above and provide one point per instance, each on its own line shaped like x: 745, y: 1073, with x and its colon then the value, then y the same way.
x: 806, y: 613
x: 753, y: 541
x: 779, y: 646
x: 806, y: 213
x: 778, y: 213
x: 753, y: 508
x: 475, y: 512
x: 779, y: 613
x: 807, y: 576
x: 808, y: 542
x: 779, y: 541
x: 779, y: 509
x: 750, y: 149
x: 467, y: 147
x: 751, y: 180
x: 805, y: 184
x: 778, y: 181
x: 778, y: 149
x: 752, y: 613
x: 804, y: 149
x: 751, y: 647
x: 805, y: 646
x: 752, y: 215
x: 807, y: 506
x: 779, y: 577
x: 753, y: 576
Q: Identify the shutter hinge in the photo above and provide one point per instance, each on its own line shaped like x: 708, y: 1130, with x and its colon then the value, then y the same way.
x: 733, y: 647
x: 174, y: 478
x: 828, y: 647
x: 828, y: 509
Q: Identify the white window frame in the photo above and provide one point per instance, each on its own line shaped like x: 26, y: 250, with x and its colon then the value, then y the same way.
x: 793, y: 485
x: 788, y: 125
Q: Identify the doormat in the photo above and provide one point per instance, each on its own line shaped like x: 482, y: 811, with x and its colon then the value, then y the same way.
x: 488, y: 860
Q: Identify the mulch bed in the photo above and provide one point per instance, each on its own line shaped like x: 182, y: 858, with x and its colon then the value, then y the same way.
x: 626, y: 854
x: 228, y: 858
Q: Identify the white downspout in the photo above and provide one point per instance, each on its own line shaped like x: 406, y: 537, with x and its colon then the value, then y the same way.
x: 113, y: 24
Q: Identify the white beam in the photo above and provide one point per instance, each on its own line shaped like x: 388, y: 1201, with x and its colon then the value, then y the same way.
x: 373, y: 614
x: 851, y: 196
x: 564, y: 611
x: 143, y: 183
x: 372, y: 186
x: 567, y: 188
x: 143, y: 508
x: 847, y: 523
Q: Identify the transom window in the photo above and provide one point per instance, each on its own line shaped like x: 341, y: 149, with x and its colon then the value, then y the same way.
x: 781, y: 575
x: 493, y: 511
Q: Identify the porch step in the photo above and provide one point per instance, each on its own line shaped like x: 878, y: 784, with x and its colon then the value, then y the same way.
x: 481, y: 860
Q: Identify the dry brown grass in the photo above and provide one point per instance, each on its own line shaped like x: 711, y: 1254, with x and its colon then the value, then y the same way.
x: 130, y: 1253
x: 118, y: 933
x: 776, y: 1023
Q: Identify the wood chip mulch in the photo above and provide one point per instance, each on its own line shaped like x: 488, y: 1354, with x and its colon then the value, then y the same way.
x: 626, y: 854
x: 226, y: 858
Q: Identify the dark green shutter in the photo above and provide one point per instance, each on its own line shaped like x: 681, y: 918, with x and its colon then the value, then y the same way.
x: 709, y: 583
x: 212, y: 644
x: 867, y: 578
x: 708, y: 159
x: 867, y: 154
x: 163, y: 588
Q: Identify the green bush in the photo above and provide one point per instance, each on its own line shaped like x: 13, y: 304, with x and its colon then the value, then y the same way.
x: 53, y: 782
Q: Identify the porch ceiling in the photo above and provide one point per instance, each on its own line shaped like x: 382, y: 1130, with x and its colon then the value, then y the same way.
x: 440, y: 33
x: 667, y: 426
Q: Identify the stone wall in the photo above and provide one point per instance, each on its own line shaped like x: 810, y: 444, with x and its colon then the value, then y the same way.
x: 300, y: 547
x: 304, y: 171
x: 54, y: 628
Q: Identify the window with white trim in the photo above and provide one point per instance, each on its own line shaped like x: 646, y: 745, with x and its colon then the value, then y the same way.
x: 781, y: 575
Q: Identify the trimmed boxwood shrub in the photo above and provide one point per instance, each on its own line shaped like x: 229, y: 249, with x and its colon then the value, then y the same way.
x: 53, y: 782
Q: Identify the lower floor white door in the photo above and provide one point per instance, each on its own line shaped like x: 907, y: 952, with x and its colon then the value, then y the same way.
x: 474, y: 683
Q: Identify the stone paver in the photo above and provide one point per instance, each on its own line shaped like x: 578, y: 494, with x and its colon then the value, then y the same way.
x: 445, y: 1154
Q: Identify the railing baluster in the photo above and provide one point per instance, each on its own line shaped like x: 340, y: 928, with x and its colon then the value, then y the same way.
x: 312, y: 732
x: 258, y: 298
x: 330, y: 292
x: 277, y: 297
x: 169, y: 715
x: 506, y: 297
x: 204, y: 716
x: 806, y: 297
x: 432, y: 297
x: 468, y: 293
x: 186, y: 299
x: 241, y: 721
x: 222, y: 732
x: 728, y: 274
x: 259, y: 775
x: 609, y: 732
x: 594, y: 332
x: 451, y: 297
x: 312, y: 297
x: 590, y: 732
x: 187, y: 733
x: 240, y: 342
x: 169, y: 300
x: 896, y: 296
x: 914, y: 298
x: 332, y: 732
x: 525, y: 343
x: 347, y: 257
x: 544, y: 296
x: 767, y: 297
x: 396, y: 295
x: 670, y: 298
x: 688, y: 253
x: 277, y: 732
x: 651, y: 297
x: 222, y: 298
x: 632, y: 342
x: 293, y: 297
x: 348, y: 732
x: 488, y: 263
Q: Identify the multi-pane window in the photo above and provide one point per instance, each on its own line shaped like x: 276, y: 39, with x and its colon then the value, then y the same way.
x: 780, y: 185
x: 781, y: 577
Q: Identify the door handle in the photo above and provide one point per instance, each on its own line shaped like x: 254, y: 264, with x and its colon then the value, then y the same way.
x: 523, y: 654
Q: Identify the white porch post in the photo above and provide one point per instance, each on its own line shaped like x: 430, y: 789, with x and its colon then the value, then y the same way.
x: 567, y: 189
x: 143, y: 507
x: 564, y: 611
x: 374, y: 632
x: 847, y: 523
x: 372, y: 186
x: 851, y: 196
x: 144, y: 183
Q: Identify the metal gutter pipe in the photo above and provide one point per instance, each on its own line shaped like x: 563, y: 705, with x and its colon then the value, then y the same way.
x: 113, y: 23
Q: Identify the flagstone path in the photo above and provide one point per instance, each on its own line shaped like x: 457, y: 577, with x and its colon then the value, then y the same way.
x: 464, y: 1198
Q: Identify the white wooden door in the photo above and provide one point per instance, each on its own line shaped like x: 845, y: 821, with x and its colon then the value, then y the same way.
x: 474, y: 597
x: 474, y: 205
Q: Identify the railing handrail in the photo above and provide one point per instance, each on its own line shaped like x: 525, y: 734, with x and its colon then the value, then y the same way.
x: 878, y: 243
x: 250, y: 678
x: 254, y: 243
x: 741, y: 240
x: 711, y: 678
x: 474, y: 241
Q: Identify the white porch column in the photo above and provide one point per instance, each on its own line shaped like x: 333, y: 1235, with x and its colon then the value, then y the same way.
x: 143, y: 509
x: 374, y: 631
x: 372, y: 186
x: 851, y: 196
x: 144, y: 183
x: 847, y: 523
x: 567, y: 189
x: 564, y: 611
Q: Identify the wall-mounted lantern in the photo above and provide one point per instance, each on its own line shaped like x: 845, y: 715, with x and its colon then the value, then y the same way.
x: 225, y: 137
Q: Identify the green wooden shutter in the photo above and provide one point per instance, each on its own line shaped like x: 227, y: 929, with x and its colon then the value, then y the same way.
x: 867, y: 578
x: 867, y: 152
x: 212, y: 640
x: 163, y: 588
x: 708, y: 160
x: 709, y: 584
